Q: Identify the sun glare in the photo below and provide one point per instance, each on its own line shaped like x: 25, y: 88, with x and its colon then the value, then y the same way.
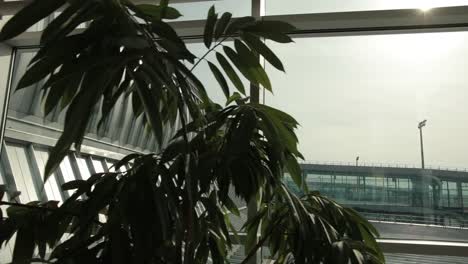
x: 425, y: 8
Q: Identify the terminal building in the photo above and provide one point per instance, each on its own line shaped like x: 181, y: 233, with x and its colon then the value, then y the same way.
x: 431, y: 197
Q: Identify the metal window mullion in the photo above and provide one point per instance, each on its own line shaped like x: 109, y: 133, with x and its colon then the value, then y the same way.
x: 6, y: 100
x: 104, y: 164
x: 89, y: 163
x: 252, y: 207
x: 74, y: 166
x: 36, y: 175
x: 118, y: 119
x: 127, y: 122
x: 61, y: 180
x: 8, y: 172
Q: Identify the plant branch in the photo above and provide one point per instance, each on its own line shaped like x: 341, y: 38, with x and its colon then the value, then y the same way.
x: 44, y: 209
x: 208, y: 52
x: 29, y: 206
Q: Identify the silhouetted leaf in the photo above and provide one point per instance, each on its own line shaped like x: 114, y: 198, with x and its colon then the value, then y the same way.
x: 158, y: 12
x: 209, y: 27
x: 230, y: 72
x: 234, y: 97
x: 75, y: 184
x: 222, y: 24
x: 220, y: 78
x: 60, y: 21
x: 28, y: 16
x: 294, y: 170
x: 256, y: 44
x: 24, y: 245
x: 251, y: 66
x: 239, y: 23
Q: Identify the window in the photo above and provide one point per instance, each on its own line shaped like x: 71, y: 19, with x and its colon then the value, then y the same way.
x: 279, y: 7
x: 52, y: 186
x: 22, y: 173
x: 199, y: 10
x: 364, y: 96
x: 83, y: 167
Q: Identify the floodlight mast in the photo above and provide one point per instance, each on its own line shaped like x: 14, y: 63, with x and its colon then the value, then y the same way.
x: 420, y: 126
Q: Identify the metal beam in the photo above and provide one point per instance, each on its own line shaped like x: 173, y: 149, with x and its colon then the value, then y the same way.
x: 358, y: 22
x: 12, y: 7
x: 7, y: 61
x: 340, y: 23
x: 378, y: 22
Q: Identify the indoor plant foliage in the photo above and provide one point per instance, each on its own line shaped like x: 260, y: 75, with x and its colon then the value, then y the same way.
x: 172, y: 206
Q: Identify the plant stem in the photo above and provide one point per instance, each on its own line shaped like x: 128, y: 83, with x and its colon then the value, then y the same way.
x: 29, y: 206
x: 208, y: 52
x: 44, y: 209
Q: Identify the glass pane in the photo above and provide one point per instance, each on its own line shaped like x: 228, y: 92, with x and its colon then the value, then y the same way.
x: 52, y: 187
x: 83, y: 167
x: 23, y: 176
x: 97, y: 164
x: 279, y: 7
x: 203, y: 72
x: 199, y: 10
x: 67, y: 170
x: 364, y: 96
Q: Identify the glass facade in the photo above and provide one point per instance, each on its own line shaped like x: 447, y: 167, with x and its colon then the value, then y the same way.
x: 386, y: 195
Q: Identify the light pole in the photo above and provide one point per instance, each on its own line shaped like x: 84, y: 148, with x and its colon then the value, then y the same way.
x: 420, y: 126
x: 357, y: 161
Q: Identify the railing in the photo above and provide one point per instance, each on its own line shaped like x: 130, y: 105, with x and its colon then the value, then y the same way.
x: 385, y: 165
x: 435, y: 221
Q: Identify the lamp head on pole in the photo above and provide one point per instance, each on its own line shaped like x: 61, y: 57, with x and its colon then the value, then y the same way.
x: 422, y: 124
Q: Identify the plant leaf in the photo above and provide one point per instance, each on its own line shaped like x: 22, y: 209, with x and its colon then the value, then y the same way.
x: 230, y: 72
x: 159, y: 12
x: 222, y: 24
x: 234, y: 97
x: 220, y: 78
x: 256, y: 44
x: 28, y: 16
x: 250, y: 65
x: 209, y: 27
x: 240, y: 23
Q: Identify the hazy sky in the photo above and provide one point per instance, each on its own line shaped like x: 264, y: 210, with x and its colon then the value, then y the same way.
x: 364, y: 95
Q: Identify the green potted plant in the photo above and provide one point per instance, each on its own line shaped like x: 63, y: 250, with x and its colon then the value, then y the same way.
x: 172, y: 206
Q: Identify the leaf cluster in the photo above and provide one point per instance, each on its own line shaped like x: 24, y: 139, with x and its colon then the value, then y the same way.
x: 172, y: 206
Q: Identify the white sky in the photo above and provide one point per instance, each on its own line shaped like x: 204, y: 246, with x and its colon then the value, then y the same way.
x: 364, y: 95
